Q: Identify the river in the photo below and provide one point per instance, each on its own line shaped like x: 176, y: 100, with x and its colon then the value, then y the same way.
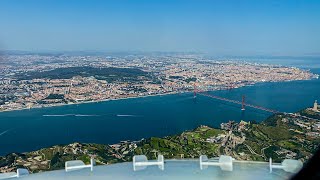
x: 132, y: 119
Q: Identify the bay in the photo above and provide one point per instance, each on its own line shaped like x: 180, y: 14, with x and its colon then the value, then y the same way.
x: 132, y: 119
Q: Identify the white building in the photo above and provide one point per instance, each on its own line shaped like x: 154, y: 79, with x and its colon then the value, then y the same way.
x: 316, y: 126
x: 315, y: 106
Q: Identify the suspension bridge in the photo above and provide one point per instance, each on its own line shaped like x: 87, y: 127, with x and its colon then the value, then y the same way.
x: 242, y: 103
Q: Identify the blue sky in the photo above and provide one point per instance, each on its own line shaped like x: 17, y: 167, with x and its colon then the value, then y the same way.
x: 261, y: 27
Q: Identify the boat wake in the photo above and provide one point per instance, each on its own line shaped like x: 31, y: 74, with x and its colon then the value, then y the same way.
x: 4, y: 132
x: 63, y: 115
x: 55, y: 115
x: 127, y: 115
x: 86, y: 115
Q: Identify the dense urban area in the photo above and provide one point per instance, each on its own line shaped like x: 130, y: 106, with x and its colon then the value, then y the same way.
x: 42, y: 80
x: 280, y: 136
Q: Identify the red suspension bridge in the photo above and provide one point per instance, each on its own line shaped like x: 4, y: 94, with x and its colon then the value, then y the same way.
x: 242, y: 103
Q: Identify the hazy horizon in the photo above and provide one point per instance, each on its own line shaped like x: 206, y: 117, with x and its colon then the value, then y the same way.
x: 222, y: 28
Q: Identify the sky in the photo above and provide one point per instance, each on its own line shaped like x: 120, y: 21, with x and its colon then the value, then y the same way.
x: 225, y: 27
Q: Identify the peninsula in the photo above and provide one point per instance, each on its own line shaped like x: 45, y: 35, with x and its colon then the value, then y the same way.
x: 43, y: 80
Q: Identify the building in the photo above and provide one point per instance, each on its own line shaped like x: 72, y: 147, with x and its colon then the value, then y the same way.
x: 315, y: 106
x: 316, y: 127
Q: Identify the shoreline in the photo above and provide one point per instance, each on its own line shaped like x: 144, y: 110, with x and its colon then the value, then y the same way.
x: 89, y: 102
x: 144, y: 96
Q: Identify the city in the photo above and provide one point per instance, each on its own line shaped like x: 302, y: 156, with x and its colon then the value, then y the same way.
x: 179, y: 89
x: 33, y: 81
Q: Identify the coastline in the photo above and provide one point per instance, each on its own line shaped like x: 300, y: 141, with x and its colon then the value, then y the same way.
x: 144, y: 96
x: 213, y: 116
x: 201, y: 131
x: 88, y: 102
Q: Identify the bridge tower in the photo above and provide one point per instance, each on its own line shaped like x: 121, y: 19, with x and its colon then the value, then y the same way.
x: 243, y: 103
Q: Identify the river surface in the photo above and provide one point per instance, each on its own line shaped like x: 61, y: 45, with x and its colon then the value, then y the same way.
x: 132, y: 119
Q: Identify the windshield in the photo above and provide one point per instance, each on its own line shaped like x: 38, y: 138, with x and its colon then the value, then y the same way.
x: 193, y: 89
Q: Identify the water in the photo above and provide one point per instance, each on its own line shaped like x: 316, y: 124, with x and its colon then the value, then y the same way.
x: 300, y: 62
x: 133, y: 119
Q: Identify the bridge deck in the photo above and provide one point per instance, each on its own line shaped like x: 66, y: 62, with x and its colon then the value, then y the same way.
x: 238, y: 102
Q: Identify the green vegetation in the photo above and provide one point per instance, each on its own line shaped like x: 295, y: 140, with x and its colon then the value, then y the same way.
x: 176, y: 77
x: 275, y: 133
x: 190, y: 144
x: 109, y: 74
x: 277, y: 137
x: 191, y: 80
x: 310, y: 113
x: 55, y: 96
